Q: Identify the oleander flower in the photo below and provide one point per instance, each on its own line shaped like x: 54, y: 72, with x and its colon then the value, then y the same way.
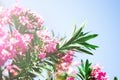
x: 68, y: 57
x: 42, y: 55
x: 70, y: 78
x: 98, y: 74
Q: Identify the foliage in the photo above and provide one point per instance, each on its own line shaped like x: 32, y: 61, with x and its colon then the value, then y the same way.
x: 84, y: 70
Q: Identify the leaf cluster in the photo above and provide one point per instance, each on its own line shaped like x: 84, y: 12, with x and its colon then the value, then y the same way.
x: 84, y: 70
x: 79, y: 42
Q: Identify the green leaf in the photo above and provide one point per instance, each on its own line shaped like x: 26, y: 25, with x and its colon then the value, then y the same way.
x: 81, y: 77
x: 76, y: 34
x: 74, y: 29
x: 86, y: 38
x: 84, y: 51
x: 37, y: 40
x: 89, y: 46
x: 84, y: 70
x: 35, y: 73
x: 63, y: 76
x: 81, y: 72
x: 115, y: 78
x: 79, y: 31
x: 1, y: 73
x: 87, y: 69
x: 82, y: 65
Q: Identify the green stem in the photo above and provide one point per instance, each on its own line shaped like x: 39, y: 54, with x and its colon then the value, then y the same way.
x: 1, y: 74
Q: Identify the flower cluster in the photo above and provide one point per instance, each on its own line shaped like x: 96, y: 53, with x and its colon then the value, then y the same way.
x: 65, y: 66
x: 14, y: 25
x: 12, y: 45
x: 49, y: 46
x: 98, y: 74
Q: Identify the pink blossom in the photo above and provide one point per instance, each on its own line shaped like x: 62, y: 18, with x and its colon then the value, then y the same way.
x: 16, y: 10
x: 68, y: 56
x: 71, y: 52
x: 23, y: 40
x: 25, y: 17
x: 5, y: 17
x: 21, y: 44
x: 70, y: 78
x: 64, y: 66
x: 39, y: 20
x: 30, y: 26
x: 98, y: 74
x: 42, y: 55
x: 27, y: 38
x: 44, y: 35
x: 14, y: 43
x: 51, y: 46
x: 3, y: 59
x: 24, y: 20
x: 4, y: 53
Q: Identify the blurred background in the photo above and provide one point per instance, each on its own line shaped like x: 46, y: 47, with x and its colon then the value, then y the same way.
x: 101, y: 17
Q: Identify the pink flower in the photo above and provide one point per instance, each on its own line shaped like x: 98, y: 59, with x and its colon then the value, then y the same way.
x: 71, y: 52
x: 44, y: 35
x: 68, y: 56
x: 3, y: 59
x: 4, y: 53
x: 64, y: 66
x: 15, y: 43
x: 70, y: 78
x: 42, y: 55
x: 24, y: 20
x: 51, y: 46
x: 30, y: 26
x: 39, y: 20
x: 27, y: 38
x: 16, y: 10
x: 98, y: 74
x: 5, y: 17
x: 20, y: 46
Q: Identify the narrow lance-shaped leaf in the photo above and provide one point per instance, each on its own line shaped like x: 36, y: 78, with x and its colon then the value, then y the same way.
x: 89, y: 46
x: 80, y: 38
x: 84, y: 70
x: 86, y: 38
x: 75, y: 34
x: 115, y: 78
x: 84, y: 51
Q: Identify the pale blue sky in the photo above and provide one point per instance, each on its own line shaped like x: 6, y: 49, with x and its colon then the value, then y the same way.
x: 101, y: 16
